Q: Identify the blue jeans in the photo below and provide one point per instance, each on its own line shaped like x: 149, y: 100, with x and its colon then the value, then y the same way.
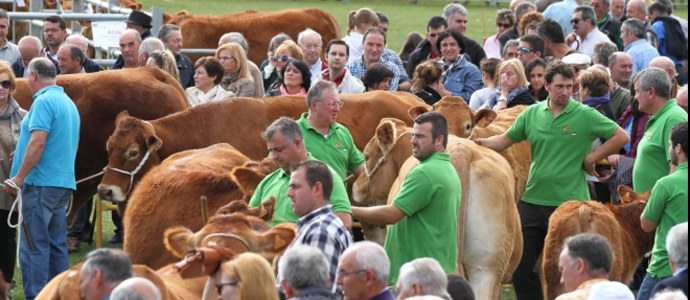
x: 45, y: 255
x: 647, y: 287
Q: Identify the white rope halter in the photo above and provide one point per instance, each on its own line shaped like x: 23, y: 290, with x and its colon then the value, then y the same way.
x: 133, y: 172
x: 228, y: 235
x: 370, y: 174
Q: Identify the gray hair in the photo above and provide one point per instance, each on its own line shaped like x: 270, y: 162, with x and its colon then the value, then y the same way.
x: 603, y: 50
x: 318, y: 89
x: 593, y: 249
x: 151, y: 44
x: 677, y: 244
x: 613, y: 59
x: 113, y: 263
x: 428, y: 273
x: 450, y: 10
x: 304, y: 266
x: 237, y: 37
x: 44, y: 68
x: 135, y: 288
x: 510, y: 43
x: 670, y: 295
x: 26, y: 38
x: 164, y: 31
x: 655, y: 78
x: 137, y: 35
x: 4, y: 15
x: 288, y: 127
x: 587, y: 13
x: 307, y: 32
x: 636, y: 26
x: 371, y: 256
x: 522, y: 9
x: 277, y: 40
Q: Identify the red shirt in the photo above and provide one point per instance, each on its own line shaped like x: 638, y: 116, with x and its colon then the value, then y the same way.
x: 337, y: 80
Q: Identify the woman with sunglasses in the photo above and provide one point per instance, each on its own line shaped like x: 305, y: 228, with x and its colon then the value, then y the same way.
x: 11, y: 116
x: 295, y: 79
x: 246, y: 277
x: 286, y: 51
x: 237, y: 77
x: 207, y: 76
x: 460, y: 77
x: 505, y: 20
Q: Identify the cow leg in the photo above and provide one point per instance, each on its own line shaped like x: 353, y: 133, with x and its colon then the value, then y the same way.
x: 486, y: 283
x: 374, y: 233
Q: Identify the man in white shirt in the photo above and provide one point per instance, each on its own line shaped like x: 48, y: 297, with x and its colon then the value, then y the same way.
x: 8, y: 52
x: 585, y: 32
x: 311, y: 43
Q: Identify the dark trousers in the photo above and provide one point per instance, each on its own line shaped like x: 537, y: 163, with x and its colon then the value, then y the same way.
x: 117, y: 221
x: 8, y: 245
x: 535, y: 225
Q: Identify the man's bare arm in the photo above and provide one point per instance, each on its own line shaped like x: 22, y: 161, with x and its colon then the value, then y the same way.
x: 379, y: 215
x: 497, y: 142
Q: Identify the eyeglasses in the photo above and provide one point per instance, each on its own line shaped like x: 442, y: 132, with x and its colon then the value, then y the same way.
x: 575, y: 21
x: 312, y: 46
x: 504, y: 25
x: 342, y: 274
x: 225, y: 58
x: 524, y: 50
x: 281, y: 57
x: 334, y: 104
x: 6, y: 84
x: 220, y: 286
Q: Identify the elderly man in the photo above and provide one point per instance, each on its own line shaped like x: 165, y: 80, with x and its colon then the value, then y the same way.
x: 337, y: 55
x: 427, y: 47
x: 147, y: 47
x: 637, y: 9
x: 673, y: 42
x: 311, y: 186
x: 130, y: 40
x: 667, y: 207
x: 618, y: 10
x: 521, y: 10
x: 141, y: 22
x: 428, y: 198
x: 311, y: 43
x: 682, y: 98
x: 9, y: 52
x: 652, y: 91
x: 43, y: 169
x: 548, y: 180
x: 374, y: 42
x: 510, y: 50
x: 561, y: 12
x: 456, y: 17
x: 304, y: 271
x: 171, y: 36
x: 602, y: 52
x: 554, y: 39
x: 103, y: 270
x: 677, y: 246
x: 585, y: 33
x: 136, y: 288
x: 580, y: 62
x: 237, y: 37
x: 531, y: 47
x: 606, y: 23
x: 636, y: 46
x: 29, y: 48
x: 285, y: 141
x: 70, y: 59
x: 420, y: 277
x: 363, y: 272
x: 666, y: 64
x: 621, y: 65
x: 586, y: 260
x: 325, y: 139
x: 79, y: 40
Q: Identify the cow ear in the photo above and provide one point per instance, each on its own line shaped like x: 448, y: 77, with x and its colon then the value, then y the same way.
x: 414, y: 112
x: 176, y: 240
x: 627, y: 194
x: 385, y: 135
x: 121, y: 116
x: 154, y: 141
x: 246, y: 179
x: 280, y: 237
x: 486, y: 115
x: 267, y: 208
x: 268, y: 165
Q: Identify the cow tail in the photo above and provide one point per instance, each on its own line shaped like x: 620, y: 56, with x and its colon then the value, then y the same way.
x: 351, y: 21
x: 585, y: 216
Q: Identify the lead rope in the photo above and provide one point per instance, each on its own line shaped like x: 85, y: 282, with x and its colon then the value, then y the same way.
x: 380, y: 162
x: 20, y: 218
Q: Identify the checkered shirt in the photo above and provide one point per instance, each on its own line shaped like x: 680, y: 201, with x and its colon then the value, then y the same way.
x: 358, y: 68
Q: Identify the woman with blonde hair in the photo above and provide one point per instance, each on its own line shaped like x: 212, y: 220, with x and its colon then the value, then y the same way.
x: 426, y: 82
x: 513, y: 87
x: 164, y: 60
x: 357, y: 23
x: 286, y: 51
x: 237, y: 78
x: 248, y: 276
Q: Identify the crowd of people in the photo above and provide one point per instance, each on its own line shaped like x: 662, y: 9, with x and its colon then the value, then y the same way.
x: 602, y: 83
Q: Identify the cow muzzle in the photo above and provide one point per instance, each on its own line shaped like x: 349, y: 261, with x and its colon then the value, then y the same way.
x: 111, y: 193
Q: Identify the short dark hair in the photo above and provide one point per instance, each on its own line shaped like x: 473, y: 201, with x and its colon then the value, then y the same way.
x: 436, y: 22
x: 593, y: 248
x: 522, y: 9
x: 536, y: 42
x: 459, y: 288
x: 302, y: 67
x: 657, y: 6
x: 375, y: 30
x: 456, y: 35
x: 316, y: 171
x: 338, y: 42
x: 439, y: 125
x: 113, y: 263
x: 603, y: 50
x: 212, y: 66
x: 56, y: 19
x: 551, y: 30
x: 558, y: 67
x: 383, y: 18
x: 490, y: 66
x: 668, y: 4
x: 679, y: 135
x: 376, y: 73
x: 587, y: 13
x: 75, y: 52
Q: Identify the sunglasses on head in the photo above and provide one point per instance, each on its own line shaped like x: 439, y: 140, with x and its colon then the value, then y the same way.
x: 6, y: 84
x: 281, y: 57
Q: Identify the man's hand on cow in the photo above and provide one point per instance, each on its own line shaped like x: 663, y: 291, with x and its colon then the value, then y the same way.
x: 590, y: 165
x: 10, y: 190
x: 479, y: 141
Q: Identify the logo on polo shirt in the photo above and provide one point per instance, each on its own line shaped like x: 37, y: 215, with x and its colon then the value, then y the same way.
x: 566, y: 131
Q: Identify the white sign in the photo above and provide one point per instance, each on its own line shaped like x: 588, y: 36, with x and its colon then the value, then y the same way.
x: 107, y: 34
x: 21, y: 3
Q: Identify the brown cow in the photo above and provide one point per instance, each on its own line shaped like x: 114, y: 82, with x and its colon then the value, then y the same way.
x: 237, y: 121
x: 620, y: 224
x: 145, y: 92
x: 204, y: 31
x: 466, y: 123
x: 489, y: 252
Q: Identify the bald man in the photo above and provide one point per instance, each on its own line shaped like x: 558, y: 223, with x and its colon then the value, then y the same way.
x: 130, y: 40
x: 136, y: 288
x: 78, y: 40
x: 682, y: 98
x: 666, y: 64
x: 29, y: 47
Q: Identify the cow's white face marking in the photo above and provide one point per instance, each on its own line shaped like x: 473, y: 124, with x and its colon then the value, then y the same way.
x: 132, y: 152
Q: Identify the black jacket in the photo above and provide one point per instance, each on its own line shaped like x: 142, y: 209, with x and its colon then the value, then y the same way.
x: 186, y: 68
x: 679, y: 282
x: 91, y: 66
x: 509, y: 35
x: 474, y: 51
x: 524, y: 98
x: 612, y: 29
x: 417, y: 56
x: 429, y: 95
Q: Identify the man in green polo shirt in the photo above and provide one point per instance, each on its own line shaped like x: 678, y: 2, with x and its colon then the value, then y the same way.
x: 426, y: 208
x: 286, y: 144
x: 667, y: 207
x: 325, y: 139
x: 653, y: 91
x: 561, y: 132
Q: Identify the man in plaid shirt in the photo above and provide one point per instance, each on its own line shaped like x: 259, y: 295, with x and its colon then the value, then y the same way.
x: 311, y: 184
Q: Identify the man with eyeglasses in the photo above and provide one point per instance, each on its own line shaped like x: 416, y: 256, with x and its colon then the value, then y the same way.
x: 54, y: 33
x: 337, y: 55
x: 427, y: 47
x: 606, y: 23
x: 531, y: 47
x: 585, y: 33
x: 310, y: 42
x: 363, y: 272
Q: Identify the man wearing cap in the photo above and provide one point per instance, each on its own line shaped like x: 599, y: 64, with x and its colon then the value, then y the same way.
x: 579, y: 62
x: 141, y: 22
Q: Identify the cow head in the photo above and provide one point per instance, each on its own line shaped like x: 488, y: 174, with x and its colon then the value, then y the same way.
x: 461, y: 118
x: 629, y: 196
x: 250, y: 175
x: 127, y: 147
x: 384, y: 154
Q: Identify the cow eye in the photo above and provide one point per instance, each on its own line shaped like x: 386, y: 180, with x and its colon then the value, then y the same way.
x: 133, y: 153
x: 366, y: 157
x: 467, y: 127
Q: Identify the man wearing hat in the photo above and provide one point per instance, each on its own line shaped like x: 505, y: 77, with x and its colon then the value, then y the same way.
x: 579, y: 62
x: 141, y: 22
